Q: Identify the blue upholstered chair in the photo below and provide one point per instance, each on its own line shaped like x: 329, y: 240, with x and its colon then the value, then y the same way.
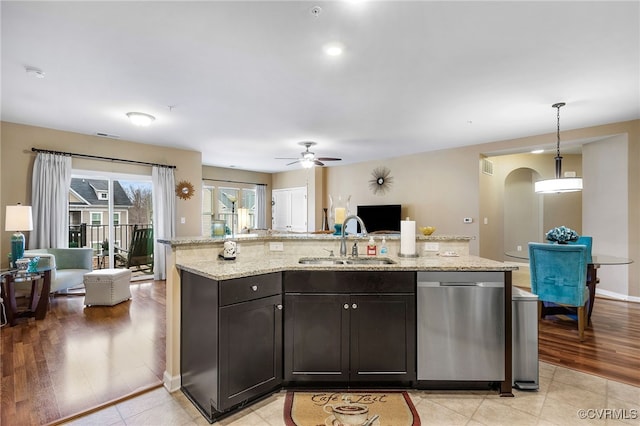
x: 558, y: 275
x: 592, y: 276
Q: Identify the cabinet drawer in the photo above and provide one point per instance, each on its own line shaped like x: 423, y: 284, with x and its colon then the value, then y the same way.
x: 249, y: 288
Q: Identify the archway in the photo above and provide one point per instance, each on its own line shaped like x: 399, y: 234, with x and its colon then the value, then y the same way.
x: 523, y: 209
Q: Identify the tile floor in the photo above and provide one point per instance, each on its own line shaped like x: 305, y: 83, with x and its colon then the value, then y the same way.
x: 563, y: 393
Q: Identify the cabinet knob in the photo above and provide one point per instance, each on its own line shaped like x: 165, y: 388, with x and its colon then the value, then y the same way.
x: 254, y: 287
x: 346, y: 306
x: 279, y: 306
x: 354, y: 306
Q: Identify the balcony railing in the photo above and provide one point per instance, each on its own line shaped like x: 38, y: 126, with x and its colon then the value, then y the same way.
x: 85, y: 235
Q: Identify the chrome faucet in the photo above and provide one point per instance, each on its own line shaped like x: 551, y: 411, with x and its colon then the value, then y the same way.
x: 343, y: 240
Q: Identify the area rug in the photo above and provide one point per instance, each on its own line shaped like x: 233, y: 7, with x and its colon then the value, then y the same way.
x: 370, y: 408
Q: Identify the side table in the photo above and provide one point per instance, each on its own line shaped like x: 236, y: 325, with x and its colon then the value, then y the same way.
x: 38, y: 300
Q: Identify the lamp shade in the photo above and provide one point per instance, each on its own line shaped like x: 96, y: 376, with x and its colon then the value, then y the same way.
x: 18, y: 218
x: 551, y: 186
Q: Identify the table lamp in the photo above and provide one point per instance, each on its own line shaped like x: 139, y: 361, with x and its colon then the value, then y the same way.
x: 17, y: 219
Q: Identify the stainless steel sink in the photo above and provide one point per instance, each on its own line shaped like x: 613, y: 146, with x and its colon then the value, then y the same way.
x: 350, y: 261
x: 369, y: 261
x: 320, y: 261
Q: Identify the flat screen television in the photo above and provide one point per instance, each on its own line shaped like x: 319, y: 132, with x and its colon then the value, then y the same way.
x: 384, y: 217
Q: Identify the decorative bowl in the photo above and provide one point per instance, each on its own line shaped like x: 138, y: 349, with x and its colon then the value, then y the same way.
x: 427, y: 230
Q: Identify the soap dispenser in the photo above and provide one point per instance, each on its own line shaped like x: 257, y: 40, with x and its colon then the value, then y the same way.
x: 372, y: 250
x: 383, y: 246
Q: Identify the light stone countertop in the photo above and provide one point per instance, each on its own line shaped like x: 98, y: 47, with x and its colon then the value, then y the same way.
x: 195, y: 241
x: 219, y: 269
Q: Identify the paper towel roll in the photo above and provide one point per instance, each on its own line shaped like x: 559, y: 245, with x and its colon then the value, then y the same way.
x: 407, y: 238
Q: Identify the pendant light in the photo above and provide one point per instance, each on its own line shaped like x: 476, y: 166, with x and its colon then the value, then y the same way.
x: 559, y: 184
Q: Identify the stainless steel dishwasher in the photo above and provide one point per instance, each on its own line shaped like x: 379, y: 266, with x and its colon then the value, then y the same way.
x: 461, y: 330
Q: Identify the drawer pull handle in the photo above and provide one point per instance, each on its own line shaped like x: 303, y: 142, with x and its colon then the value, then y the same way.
x: 279, y: 306
x: 254, y: 287
x: 346, y: 306
x: 354, y: 306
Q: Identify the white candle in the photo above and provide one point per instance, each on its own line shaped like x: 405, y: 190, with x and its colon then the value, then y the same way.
x: 339, y: 216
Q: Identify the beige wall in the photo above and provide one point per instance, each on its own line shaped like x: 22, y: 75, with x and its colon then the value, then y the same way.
x: 17, y: 165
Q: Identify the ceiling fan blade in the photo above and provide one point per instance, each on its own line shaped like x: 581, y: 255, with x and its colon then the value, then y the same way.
x: 318, y: 163
x: 329, y: 159
x: 293, y: 162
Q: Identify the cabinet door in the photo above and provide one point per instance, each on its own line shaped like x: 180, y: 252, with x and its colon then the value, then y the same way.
x: 250, y: 350
x: 382, y: 338
x: 316, y: 337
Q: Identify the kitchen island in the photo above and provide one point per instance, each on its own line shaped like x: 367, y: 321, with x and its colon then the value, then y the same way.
x: 267, y: 279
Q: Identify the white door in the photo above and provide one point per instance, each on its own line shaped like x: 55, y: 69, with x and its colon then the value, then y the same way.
x: 289, y: 209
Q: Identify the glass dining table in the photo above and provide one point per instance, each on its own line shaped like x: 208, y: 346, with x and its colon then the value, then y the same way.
x: 597, y: 260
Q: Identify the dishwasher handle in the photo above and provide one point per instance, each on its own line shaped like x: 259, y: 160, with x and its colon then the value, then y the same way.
x: 459, y: 284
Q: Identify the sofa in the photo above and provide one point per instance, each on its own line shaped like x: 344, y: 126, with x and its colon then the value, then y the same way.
x: 68, y: 265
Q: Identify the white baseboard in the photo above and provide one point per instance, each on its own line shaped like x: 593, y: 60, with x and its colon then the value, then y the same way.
x: 172, y: 384
x: 617, y: 296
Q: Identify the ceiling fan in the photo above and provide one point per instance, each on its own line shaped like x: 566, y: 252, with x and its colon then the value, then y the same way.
x: 307, y: 158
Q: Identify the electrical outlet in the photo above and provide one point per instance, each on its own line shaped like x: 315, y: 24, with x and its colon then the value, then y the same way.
x: 431, y: 246
x: 276, y: 246
x: 183, y: 220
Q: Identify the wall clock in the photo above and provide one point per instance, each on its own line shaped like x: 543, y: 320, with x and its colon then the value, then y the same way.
x: 184, y: 190
x: 381, y: 180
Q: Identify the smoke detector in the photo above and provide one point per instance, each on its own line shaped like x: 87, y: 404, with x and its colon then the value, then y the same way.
x: 315, y: 11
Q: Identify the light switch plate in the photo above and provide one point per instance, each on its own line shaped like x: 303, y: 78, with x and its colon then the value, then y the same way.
x: 276, y: 246
x: 431, y: 246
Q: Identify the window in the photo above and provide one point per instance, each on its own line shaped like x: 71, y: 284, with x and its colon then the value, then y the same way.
x: 116, y: 218
x: 96, y: 218
x: 217, y: 204
x: 102, y: 195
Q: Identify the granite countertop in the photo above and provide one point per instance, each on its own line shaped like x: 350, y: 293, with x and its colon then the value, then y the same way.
x: 219, y: 269
x: 194, y: 241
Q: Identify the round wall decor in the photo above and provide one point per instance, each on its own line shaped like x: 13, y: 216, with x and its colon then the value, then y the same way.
x: 184, y: 190
x: 381, y: 180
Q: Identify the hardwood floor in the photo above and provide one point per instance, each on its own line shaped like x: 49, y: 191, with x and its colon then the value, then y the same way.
x: 79, y: 358
x: 611, y: 347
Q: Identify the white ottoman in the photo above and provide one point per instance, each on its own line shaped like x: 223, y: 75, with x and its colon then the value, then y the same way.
x: 107, y: 287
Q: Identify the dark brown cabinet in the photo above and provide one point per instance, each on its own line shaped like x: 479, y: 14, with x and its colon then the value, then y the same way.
x: 349, y: 326
x: 231, y: 340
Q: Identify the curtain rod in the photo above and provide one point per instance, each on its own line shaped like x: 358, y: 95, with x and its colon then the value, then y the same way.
x: 234, y: 181
x: 96, y: 157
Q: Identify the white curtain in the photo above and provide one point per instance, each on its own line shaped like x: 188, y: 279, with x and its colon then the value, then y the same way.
x: 261, y: 206
x: 50, y: 201
x: 164, y: 216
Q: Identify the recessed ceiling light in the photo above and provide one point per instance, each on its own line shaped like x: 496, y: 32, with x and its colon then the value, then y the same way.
x: 34, y: 72
x: 333, y: 49
x: 140, y: 118
x: 537, y: 151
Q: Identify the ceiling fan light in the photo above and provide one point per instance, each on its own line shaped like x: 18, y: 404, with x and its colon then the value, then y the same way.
x: 140, y: 118
x: 307, y: 163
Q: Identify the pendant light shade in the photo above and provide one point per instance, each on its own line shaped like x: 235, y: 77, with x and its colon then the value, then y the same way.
x: 559, y: 184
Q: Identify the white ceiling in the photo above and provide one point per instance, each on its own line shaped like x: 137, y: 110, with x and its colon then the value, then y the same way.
x: 244, y: 82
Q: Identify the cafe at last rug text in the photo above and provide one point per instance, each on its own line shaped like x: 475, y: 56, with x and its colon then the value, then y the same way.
x: 362, y: 408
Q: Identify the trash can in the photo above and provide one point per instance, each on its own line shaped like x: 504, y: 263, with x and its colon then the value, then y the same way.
x: 525, y: 339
